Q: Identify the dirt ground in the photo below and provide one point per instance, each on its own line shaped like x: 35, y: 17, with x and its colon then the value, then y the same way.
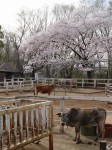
x: 64, y: 141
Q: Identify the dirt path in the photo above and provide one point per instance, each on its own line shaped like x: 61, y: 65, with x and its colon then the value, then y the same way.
x: 64, y: 141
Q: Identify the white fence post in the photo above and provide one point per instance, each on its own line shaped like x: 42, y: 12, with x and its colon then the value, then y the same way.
x: 61, y: 110
x: 61, y: 105
x: 32, y: 84
x: 94, y: 83
x: 82, y: 83
x: 7, y: 87
x: 12, y: 82
x: 20, y: 87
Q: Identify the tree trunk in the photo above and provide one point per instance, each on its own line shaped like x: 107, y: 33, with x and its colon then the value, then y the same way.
x: 89, y: 74
x: 47, y: 72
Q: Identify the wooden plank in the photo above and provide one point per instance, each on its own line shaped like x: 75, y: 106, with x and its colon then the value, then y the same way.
x: 32, y: 122
x: 37, y: 122
x: 1, y: 131
x: 27, y: 124
x: 15, y: 128
x: 51, y: 129
x: 22, y: 108
x: 21, y: 125
x: 7, y: 120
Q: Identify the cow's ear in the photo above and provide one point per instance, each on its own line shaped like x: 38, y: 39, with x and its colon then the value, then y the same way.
x: 59, y: 114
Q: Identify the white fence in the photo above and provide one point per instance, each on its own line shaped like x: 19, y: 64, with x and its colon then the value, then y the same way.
x: 108, y: 89
x: 20, y: 84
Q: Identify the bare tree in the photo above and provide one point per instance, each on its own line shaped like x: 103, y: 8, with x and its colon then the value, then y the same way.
x: 29, y: 23
x: 62, y: 11
x: 97, y: 4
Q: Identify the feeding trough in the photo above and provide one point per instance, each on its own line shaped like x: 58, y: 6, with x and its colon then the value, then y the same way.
x: 92, y: 131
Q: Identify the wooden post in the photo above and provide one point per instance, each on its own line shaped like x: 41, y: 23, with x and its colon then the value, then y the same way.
x: 51, y: 130
x: 103, y: 145
x: 61, y: 110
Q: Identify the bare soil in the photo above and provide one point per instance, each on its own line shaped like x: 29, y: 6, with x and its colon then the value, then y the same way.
x: 64, y: 141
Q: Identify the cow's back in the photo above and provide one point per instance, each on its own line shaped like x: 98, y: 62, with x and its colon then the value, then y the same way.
x: 86, y: 117
x: 92, y: 116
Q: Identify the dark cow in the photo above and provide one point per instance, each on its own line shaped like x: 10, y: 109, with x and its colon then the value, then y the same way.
x: 77, y: 117
x: 44, y: 88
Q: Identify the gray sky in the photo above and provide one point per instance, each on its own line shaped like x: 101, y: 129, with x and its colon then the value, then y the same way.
x: 10, y: 8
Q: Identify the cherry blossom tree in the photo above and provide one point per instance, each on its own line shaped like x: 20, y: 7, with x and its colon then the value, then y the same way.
x: 77, y: 40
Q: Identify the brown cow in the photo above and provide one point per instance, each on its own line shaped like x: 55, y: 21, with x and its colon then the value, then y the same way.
x: 44, y: 88
x: 77, y: 117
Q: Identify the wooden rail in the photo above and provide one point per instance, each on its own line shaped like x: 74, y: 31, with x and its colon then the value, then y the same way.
x: 25, y: 121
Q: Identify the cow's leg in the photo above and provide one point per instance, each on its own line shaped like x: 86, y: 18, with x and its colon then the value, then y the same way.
x: 101, y: 130
x: 77, y: 131
x: 75, y: 135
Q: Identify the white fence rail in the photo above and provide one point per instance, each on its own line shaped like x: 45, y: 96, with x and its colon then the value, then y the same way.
x: 62, y: 99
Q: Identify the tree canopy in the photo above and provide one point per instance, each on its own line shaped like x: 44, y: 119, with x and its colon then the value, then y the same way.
x: 83, y: 37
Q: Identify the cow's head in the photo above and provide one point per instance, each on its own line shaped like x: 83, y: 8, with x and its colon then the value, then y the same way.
x: 64, y: 118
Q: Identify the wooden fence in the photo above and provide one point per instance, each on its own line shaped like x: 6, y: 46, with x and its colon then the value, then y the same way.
x: 24, y: 121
